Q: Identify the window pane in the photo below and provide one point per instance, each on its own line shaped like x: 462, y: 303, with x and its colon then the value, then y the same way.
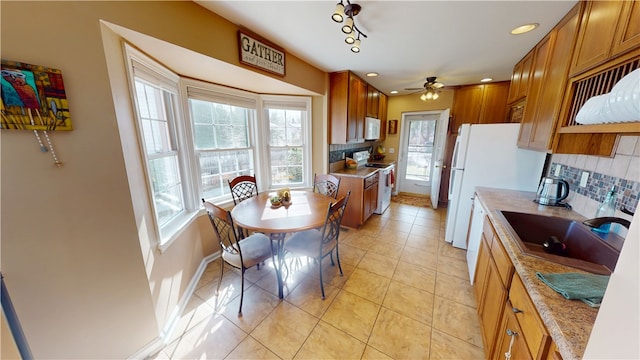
x: 294, y: 128
x: 166, y: 186
x: 286, y: 166
x: 286, y: 146
x: 217, y: 167
x: 420, y: 149
x: 219, y: 126
x: 155, y: 127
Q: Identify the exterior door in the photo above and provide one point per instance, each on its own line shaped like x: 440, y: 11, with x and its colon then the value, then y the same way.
x: 416, y: 155
x: 438, y: 156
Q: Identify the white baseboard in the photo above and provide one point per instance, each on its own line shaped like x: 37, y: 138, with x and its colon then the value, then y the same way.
x: 160, y: 341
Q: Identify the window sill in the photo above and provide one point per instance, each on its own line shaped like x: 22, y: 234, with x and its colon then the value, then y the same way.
x: 181, y: 223
x: 171, y: 233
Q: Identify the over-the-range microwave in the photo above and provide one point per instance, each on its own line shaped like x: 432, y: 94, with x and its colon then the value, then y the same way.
x: 371, y: 128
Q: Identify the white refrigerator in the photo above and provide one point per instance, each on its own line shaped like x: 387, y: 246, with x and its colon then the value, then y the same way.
x: 486, y: 155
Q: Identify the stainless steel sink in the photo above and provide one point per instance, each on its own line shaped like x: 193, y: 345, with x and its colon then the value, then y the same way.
x: 562, y: 241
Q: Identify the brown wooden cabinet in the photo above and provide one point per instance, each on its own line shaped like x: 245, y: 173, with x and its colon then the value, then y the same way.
x: 520, y: 79
x: 347, y: 107
x: 607, y: 29
x: 466, y: 106
x: 533, y: 329
x: 504, y: 307
x: 373, y: 101
x: 494, y: 103
x: 370, y: 201
x: 510, y: 337
x: 491, y: 285
x: 552, y: 58
x: 480, y: 104
x: 363, y: 199
x: 382, y: 115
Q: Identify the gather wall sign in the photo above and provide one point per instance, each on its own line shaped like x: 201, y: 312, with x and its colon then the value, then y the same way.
x: 260, y: 53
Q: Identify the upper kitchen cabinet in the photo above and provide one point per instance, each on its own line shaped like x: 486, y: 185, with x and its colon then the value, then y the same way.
x: 373, y: 102
x: 551, y: 60
x: 608, y: 29
x: 607, y: 49
x: 520, y: 78
x: 347, y: 102
x: 382, y: 115
x: 480, y: 104
x: 494, y: 103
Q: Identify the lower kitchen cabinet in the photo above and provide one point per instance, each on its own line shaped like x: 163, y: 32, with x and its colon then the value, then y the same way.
x: 491, y: 294
x: 509, y: 321
x: 532, y: 327
x: 510, y: 339
x: 363, y: 199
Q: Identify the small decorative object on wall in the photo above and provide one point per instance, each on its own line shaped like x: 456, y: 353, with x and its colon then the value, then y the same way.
x: 260, y: 53
x: 393, y: 126
x: 33, y: 98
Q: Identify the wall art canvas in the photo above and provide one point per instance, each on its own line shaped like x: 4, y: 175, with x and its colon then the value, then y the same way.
x: 33, y: 98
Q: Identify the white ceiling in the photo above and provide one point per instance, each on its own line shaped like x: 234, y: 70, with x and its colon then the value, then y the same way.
x: 460, y: 42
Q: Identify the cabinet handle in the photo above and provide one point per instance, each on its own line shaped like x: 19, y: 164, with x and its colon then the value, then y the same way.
x: 516, y: 310
x: 513, y: 334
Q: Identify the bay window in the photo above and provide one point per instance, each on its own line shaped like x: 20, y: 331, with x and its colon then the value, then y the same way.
x: 195, y: 136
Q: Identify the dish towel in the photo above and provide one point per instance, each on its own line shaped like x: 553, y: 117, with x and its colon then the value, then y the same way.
x: 586, y: 287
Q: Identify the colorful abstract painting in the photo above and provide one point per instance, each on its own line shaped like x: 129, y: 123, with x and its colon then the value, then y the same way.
x: 33, y: 98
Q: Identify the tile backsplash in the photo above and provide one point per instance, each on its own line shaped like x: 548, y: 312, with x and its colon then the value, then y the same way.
x: 623, y: 171
x: 336, y: 150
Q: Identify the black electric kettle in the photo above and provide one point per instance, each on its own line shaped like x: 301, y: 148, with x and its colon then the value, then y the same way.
x: 552, y: 191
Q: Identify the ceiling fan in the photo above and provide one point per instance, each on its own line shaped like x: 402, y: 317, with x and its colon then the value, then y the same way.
x: 431, y: 89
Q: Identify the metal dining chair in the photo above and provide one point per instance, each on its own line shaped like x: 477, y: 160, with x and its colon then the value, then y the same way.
x: 243, y: 187
x: 319, y: 243
x: 326, y: 184
x: 242, y: 254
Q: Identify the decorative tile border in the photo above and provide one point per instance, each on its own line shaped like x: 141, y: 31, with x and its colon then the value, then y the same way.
x: 598, y: 185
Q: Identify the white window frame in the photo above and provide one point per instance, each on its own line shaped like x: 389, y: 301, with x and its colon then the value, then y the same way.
x: 143, y: 67
x: 200, y: 90
x: 302, y: 103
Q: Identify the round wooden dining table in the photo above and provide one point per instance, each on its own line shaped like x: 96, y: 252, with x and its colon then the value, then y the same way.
x: 307, y: 210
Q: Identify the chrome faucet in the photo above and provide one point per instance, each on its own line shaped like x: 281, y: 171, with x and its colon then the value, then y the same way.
x: 599, y: 221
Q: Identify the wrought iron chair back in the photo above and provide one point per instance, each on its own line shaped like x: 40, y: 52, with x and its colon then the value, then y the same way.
x: 326, y: 184
x: 243, y: 187
x: 257, y: 246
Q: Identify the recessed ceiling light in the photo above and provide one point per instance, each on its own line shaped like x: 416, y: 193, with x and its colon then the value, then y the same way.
x: 486, y: 80
x: 394, y: 91
x: 372, y: 74
x: 524, y: 28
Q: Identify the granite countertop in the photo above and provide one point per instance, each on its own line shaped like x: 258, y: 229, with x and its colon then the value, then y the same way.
x: 361, y: 171
x: 569, y: 322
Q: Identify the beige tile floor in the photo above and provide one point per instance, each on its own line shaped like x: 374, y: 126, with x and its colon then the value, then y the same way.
x: 405, y: 294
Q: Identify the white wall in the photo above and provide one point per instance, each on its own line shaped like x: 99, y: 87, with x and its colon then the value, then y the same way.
x: 617, y: 329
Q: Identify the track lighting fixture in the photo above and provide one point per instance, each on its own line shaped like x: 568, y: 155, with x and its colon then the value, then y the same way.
x: 353, y: 33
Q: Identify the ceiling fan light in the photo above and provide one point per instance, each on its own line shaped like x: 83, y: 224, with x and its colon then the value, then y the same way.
x: 338, y: 15
x: 350, y: 39
x: 435, y: 96
x: 347, y: 28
